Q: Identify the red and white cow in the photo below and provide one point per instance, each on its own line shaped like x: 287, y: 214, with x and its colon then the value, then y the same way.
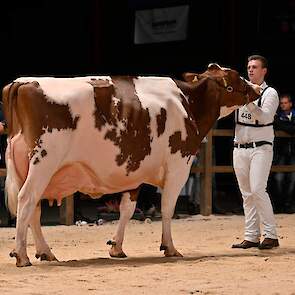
x: 101, y: 135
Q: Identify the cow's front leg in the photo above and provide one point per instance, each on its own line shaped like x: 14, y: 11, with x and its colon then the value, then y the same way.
x: 167, y: 243
x: 127, y: 207
x: 169, y: 197
x: 42, y: 249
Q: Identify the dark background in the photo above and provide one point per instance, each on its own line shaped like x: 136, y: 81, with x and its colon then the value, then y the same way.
x: 76, y: 38
x: 96, y: 37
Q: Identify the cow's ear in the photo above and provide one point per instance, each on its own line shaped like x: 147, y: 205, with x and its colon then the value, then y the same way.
x: 214, y: 67
x: 190, y: 77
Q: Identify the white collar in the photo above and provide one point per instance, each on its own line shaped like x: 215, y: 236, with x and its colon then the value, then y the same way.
x: 263, y: 85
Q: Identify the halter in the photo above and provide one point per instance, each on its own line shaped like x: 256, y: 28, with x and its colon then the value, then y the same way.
x: 230, y: 89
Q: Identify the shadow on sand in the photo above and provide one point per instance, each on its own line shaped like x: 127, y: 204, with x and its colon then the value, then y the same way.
x: 150, y: 260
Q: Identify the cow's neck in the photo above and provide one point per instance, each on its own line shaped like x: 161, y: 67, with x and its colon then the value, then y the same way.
x: 204, y: 105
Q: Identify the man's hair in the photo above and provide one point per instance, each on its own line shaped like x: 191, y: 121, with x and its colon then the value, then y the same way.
x: 263, y: 60
x: 286, y: 95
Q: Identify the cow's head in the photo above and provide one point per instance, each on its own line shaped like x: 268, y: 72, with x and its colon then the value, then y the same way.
x: 234, y: 90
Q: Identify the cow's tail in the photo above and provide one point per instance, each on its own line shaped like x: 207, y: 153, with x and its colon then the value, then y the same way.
x: 9, y: 99
x: 12, y: 182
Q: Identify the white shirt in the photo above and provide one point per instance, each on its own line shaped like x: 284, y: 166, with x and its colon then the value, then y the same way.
x: 264, y: 114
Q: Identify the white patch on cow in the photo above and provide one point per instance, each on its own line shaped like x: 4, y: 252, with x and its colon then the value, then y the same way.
x: 115, y: 100
x: 225, y: 111
x: 155, y: 93
x: 121, y: 125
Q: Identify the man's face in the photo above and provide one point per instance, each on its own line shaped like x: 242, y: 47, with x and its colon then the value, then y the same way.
x: 256, y: 72
x: 285, y: 104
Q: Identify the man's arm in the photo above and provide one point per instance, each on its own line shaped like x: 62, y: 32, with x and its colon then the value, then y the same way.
x: 270, y: 102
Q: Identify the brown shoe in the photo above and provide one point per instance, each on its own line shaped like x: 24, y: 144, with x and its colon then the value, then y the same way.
x: 246, y: 244
x: 269, y: 243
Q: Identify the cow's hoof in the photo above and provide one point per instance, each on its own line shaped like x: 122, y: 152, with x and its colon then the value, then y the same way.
x: 46, y: 257
x: 20, y: 262
x: 117, y: 253
x: 174, y: 253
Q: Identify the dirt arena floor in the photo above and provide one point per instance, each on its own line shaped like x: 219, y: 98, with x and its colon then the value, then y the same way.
x: 209, y: 265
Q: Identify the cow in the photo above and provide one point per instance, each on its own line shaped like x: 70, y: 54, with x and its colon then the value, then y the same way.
x: 106, y: 134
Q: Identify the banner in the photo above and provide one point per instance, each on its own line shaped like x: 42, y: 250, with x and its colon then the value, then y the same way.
x: 161, y: 24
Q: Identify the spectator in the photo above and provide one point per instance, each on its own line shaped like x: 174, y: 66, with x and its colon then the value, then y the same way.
x: 284, y: 151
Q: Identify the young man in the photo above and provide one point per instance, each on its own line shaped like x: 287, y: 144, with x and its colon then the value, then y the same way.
x: 284, y: 151
x: 252, y: 159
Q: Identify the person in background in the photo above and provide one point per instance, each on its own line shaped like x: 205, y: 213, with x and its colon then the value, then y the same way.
x: 252, y: 159
x: 284, y: 154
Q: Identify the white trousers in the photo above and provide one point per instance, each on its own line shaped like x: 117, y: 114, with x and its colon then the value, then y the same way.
x: 252, y: 168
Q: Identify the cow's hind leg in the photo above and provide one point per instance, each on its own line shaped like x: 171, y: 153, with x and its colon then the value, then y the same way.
x: 127, y: 207
x: 28, y: 198
x: 42, y: 249
x: 27, y: 203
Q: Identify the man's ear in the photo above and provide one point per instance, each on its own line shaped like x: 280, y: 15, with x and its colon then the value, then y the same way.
x: 190, y: 77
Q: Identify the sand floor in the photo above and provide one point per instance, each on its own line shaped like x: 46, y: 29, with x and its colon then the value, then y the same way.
x: 209, y: 265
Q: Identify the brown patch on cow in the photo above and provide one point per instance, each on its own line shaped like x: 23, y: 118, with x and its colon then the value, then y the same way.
x: 189, y: 146
x: 105, y: 111
x: 33, y: 153
x: 36, y: 161
x: 39, y: 143
x: 43, y: 153
x: 118, y: 102
x: 37, y: 114
x: 161, y: 121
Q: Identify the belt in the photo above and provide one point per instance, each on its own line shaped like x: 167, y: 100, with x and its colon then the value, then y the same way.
x: 250, y: 145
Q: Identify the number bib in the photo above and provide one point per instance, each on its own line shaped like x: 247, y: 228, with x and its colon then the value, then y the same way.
x: 244, y: 116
